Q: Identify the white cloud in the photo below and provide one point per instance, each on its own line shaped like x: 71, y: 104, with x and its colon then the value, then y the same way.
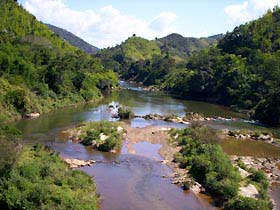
x: 249, y: 10
x: 163, y: 21
x: 105, y: 27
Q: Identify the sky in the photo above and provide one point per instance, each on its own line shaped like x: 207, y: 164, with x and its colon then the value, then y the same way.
x: 105, y: 23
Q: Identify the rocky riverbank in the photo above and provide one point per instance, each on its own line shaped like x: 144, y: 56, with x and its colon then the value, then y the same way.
x: 160, y: 135
x: 187, y: 119
x: 76, y: 163
x: 271, y: 166
x: 252, y: 135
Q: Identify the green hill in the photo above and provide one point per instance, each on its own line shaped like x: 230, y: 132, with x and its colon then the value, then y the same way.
x: 73, y: 40
x: 136, y: 48
x: 178, y: 45
x: 39, y: 71
x: 133, y: 49
x: 242, y: 71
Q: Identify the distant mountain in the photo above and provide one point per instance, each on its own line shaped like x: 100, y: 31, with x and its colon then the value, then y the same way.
x: 216, y: 37
x: 73, y: 40
x: 181, y: 46
x: 133, y: 49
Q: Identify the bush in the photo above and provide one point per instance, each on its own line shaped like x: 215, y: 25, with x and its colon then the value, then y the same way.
x: 211, y: 167
x: 257, y: 176
x: 242, y: 203
x: 41, y: 180
x: 93, y: 132
x: 125, y: 113
x: 207, y: 162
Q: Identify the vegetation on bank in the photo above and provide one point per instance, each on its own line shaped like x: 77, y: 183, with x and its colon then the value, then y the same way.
x: 37, y: 178
x: 125, y: 113
x: 210, y: 166
x: 39, y: 71
x: 242, y: 71
x: 104, y: 136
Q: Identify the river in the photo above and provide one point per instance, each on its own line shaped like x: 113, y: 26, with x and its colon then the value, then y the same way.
x: 128, y: 181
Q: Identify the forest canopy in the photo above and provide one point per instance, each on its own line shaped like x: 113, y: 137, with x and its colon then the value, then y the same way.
x: 39, y: 71
x: 241, y: 71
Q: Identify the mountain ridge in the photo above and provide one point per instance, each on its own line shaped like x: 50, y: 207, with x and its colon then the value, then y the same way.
x: 182, y: 46
x: 73, y: 39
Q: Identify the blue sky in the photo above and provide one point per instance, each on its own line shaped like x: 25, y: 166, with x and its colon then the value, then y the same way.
x: 108, y: 22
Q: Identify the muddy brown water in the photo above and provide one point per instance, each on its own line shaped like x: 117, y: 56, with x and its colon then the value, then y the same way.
x: 128, y: 181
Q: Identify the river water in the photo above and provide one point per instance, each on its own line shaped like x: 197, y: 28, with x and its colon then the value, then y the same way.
x: 134, y: 181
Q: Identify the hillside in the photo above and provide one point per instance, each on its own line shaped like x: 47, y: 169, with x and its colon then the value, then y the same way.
x: 242, y: 71
x: 131, y: 50
x: 181, y: 46
x: 39, y: 71
x: 73, y: 40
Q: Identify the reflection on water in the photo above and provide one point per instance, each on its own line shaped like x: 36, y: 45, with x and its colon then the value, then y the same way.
x: 148, y: 150
x: 275, y: 194
x: 127, y: 181
x: 250, y: 148
x: 136, y: 184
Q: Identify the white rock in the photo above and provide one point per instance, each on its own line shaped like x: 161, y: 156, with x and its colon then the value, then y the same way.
x: 119, y: 129
x: 249, y: 191
x: 76, y: 163
x: 103, y: 137
x: 243, y: 173
x: 32, y: 115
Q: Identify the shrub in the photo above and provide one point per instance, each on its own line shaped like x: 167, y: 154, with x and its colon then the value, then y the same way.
x: 91, y: 135
x: 244, y: 203
x: 41, y: 180
x: 257, y: 176
x: 125, y: 113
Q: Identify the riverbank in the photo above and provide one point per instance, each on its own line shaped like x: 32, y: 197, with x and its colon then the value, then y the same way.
x: 35, y: 177
x: 139, y: 177
x: 160, y: 135
x: 245, y: 134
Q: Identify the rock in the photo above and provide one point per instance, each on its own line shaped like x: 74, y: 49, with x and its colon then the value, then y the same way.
x: 164, y: 161
x: 76, y: 163
x: 197, y: 188
x: 243, y: 173
x: 165, y: 129
x: 113, y: 151
x: 119, y: 129
x: 103, y: 137
x: 32, y: 115
x: 249, y: 191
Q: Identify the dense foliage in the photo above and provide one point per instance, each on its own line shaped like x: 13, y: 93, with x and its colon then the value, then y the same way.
x: 74, y: 40
x: 37, y: 178
x: 39, y: 71
x: 180, y: 46
x: 210, y: 166
x: 242, y: 71
x: 41, y: 180
x: 104, y: 136
x: 125, y: 113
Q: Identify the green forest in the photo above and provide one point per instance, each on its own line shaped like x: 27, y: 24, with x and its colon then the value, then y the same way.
x: 39, y: 71
x: 241, y: 71
x: 35, y: 177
